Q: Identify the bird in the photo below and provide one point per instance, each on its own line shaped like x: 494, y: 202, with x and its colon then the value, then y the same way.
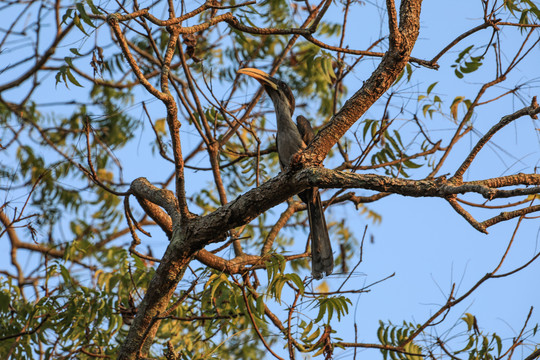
x: 291, y: 139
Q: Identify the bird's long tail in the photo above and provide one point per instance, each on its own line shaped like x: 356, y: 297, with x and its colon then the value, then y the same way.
x: 322, y: 259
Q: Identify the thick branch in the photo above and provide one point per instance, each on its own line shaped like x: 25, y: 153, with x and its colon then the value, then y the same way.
x: 201, y: 231
x: 247, y: 207
x: 142, y: 188
x: 380, y: 81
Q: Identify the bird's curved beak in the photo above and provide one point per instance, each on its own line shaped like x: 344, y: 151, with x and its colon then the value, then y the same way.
x: 260, y: 76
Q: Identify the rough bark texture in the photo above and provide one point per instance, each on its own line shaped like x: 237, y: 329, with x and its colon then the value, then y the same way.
x: 189, y: 236
x: 192, y: 235
x: 392, y: 63
x: 169, y: 272
x: 204, y: 230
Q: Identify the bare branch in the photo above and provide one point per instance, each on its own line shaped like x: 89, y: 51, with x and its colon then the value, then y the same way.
x: 532, y: 110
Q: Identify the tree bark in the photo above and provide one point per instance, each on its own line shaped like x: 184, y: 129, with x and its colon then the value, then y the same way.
x: 193, y: 234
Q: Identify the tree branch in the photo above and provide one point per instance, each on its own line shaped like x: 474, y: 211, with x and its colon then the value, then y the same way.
x: 379, y: 82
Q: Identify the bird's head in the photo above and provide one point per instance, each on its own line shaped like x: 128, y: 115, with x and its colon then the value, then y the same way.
x: 279, y: 92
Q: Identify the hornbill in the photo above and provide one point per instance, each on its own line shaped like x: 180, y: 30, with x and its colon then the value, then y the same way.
x: 290, y: 140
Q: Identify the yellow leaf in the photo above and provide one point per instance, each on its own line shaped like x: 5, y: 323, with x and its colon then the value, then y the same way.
x: 323, y: 287
x: 105, y: 175
x: 160, y: 126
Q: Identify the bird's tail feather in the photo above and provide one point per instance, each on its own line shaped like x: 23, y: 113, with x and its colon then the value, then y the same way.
x: 322, y: 259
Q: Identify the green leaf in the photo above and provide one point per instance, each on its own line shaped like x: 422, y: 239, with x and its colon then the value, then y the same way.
x: 314, y: 336
x: 84, y: 16
x: 4, y: 302
x: 72, y: 78
x: 307, y: 329
x: 319, y: 352
x: 380, y: 333
x: 367, y: 124
x: 470, y: 320
x: 322, y: 312
x: 524, y: 18
x: 67, y: 15
x: 425, y: 109
x: 454, y: 106
x: 61, y: 74
x: 409, y: 72
x: 297, y: 281
x: 463, y: 53
x: 400, y: 76
x: 75, y: 51
x: 92, y: 7
x: 77, y: 22
x: 430, y: 87
x: 411, y: 165
x: 68, y: 60
x: 499, y: 343
x: 469, y: 345
x: 65, y: 274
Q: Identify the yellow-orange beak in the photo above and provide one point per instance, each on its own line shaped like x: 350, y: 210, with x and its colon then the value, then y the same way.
x: 260, y: 76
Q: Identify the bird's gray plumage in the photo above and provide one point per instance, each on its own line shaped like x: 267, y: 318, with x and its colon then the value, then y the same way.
x: 292, y: 138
